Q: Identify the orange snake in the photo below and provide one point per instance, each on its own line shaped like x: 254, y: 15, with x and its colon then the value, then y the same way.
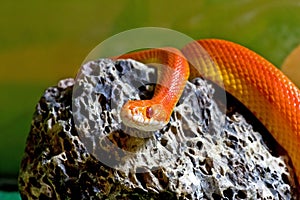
x: 254, y: 81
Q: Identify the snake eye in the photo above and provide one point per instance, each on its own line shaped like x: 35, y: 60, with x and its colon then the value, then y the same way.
x: 149, y: 112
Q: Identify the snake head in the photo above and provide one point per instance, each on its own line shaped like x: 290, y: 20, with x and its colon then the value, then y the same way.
x: 144, y: 115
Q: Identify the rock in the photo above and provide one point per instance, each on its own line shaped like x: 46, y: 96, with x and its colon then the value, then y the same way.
x: 78, y: 148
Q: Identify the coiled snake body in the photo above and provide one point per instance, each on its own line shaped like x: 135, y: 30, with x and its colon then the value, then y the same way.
x: 254, y: 81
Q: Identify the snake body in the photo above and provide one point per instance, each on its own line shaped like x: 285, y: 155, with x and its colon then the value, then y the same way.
x: 250, y: 78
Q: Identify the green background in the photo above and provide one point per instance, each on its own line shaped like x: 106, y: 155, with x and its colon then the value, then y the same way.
x: 44, y: 41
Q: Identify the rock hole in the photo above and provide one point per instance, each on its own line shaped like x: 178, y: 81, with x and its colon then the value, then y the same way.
x: 228, y: 193
x: 241, y: 194
x: 199, y: 144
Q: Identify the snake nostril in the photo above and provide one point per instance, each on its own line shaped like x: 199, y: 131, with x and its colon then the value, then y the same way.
x: 135, y: 111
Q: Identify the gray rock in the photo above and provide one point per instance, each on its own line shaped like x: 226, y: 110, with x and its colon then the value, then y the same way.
x: 78, y: 147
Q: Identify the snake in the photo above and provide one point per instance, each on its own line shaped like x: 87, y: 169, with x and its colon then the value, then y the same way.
x: 253, y: 80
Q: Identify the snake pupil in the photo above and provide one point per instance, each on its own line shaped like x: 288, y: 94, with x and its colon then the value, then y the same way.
x: 149, y: 112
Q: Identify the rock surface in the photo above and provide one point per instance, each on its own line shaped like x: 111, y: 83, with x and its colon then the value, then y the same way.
x: 78, y: 148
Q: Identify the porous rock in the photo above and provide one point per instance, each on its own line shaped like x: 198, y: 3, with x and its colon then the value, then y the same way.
x: 78, y: 147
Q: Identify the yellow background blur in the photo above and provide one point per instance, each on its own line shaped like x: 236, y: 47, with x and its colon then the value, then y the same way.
x: 42, y: 42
